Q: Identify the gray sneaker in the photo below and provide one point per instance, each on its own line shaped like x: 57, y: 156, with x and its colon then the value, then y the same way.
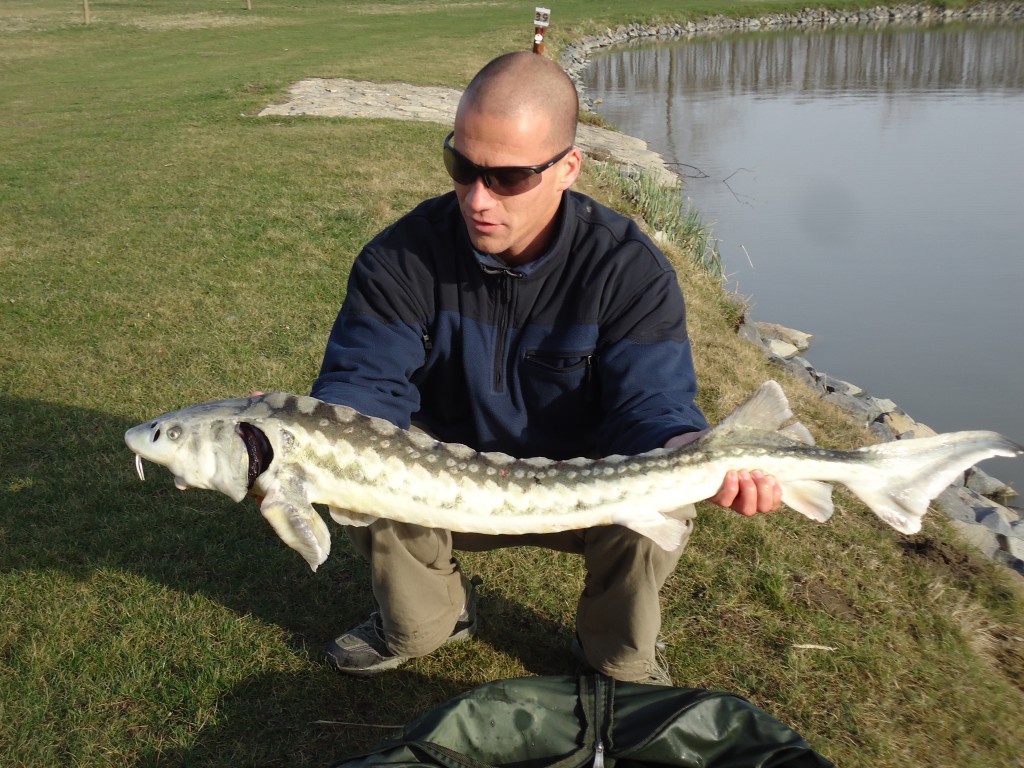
x: 654, y: 673
x: 364, y: 651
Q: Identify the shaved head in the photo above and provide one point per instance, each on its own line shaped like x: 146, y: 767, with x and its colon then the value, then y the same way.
x: 521, y: 84
x: 517, y: 115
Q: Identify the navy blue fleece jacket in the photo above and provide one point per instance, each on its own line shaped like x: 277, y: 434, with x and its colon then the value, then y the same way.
x: 582, y: 352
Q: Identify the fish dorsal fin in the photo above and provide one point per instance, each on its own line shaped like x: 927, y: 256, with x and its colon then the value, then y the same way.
x: 767, y: 409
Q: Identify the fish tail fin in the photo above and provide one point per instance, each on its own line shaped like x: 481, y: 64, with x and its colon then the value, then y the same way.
x: 910, y: 473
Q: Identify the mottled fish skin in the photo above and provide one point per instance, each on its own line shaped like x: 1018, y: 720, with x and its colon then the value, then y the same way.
x: 306, y: 451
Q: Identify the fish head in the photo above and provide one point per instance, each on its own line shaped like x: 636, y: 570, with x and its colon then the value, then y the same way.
x: 209, y: 446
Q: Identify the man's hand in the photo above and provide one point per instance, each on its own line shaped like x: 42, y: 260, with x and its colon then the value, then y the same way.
x: 748, y: 492
x: 744, y: 491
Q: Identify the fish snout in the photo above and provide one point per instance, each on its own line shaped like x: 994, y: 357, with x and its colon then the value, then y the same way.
x: 148, y: 439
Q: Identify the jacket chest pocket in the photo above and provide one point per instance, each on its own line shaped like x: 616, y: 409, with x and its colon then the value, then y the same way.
x: 549, y: 376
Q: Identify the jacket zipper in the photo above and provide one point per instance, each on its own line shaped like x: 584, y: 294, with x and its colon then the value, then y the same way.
x: 508, y: 277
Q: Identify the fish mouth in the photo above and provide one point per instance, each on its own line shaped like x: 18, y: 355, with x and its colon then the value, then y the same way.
x: 258, y: 448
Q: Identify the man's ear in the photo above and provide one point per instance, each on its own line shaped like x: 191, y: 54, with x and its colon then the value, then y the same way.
x: 569, y: 168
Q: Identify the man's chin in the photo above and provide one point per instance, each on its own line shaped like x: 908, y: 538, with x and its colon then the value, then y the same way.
x: 489, y: 246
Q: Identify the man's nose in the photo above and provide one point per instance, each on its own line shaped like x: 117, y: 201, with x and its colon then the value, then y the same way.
x: 478, y: 195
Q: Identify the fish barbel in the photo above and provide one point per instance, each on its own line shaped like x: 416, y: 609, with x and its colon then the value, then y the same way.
x: 296, y: 451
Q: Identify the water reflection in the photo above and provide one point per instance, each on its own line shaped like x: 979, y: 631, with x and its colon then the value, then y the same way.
x: 865, y: 186
x: 894, y: 62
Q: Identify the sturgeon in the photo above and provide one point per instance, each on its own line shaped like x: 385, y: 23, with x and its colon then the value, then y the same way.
x: 296, y: 451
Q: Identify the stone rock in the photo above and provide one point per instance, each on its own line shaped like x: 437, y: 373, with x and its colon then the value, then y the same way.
x: 832, y: 384
x: 882, y: 432
x: 898, y: 422
x: 979, y: 537
x: 802, y: 370
x: 886, y: 404
x: 956, y: 506
x: 749, y: 333
x: 799, y: 339
x: 904, y: 426
x: 989, y: 486
x: 1015, y: 542
x: 861, y: 408
x: 996, y: 519
x: 781, y: 348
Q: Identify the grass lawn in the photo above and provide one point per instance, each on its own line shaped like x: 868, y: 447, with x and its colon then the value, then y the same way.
x: 160, y: 246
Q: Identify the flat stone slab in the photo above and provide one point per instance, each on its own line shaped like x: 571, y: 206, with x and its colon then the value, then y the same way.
x: 340, y: 97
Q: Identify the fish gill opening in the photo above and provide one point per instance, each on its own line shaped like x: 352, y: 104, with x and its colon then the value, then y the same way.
x: 257, y: 446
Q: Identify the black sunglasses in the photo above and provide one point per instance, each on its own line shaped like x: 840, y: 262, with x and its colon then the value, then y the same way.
x: 504, y: 180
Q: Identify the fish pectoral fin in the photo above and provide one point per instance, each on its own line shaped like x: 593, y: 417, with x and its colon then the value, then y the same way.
x: 811, y: 498
x: 667, y: 532
x: 348, y: 517
x: 300, y: 527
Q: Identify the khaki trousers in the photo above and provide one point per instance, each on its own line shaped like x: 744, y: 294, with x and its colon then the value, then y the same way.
x: 421, y: 591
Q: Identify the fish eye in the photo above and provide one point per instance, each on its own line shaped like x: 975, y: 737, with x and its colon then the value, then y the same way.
x: 173, y: 433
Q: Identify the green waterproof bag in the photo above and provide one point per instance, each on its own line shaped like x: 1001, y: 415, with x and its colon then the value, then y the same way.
x: 565, y: 722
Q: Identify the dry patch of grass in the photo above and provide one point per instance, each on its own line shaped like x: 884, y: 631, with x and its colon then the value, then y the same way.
x: 406, y: 8
x: 193, y: 21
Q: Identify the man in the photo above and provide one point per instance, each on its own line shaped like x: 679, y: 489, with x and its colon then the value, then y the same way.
x: 515, y: 315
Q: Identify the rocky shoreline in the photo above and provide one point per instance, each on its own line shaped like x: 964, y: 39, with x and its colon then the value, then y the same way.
x: 978, y: 505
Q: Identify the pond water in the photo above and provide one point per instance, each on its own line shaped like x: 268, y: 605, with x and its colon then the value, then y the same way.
x: 865, y: 186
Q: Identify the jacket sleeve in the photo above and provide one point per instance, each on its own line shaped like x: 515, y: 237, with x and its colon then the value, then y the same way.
x: 648, y: 382
x: 375, y: 346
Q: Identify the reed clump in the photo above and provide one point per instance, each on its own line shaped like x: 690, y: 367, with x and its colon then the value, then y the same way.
x: 663, y: 210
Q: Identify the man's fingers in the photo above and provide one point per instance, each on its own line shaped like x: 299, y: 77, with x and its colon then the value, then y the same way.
x: 729, y: 490
x: 767, y: 489
x: 747, y: 499
x: 749, y: 493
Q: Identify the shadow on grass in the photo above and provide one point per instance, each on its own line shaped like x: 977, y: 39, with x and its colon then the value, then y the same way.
x: 317, y: 717
x: 73, y: 504
x: 290, y: 721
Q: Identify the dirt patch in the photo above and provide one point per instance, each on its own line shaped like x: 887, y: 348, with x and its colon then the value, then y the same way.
x: 943, y: 556
x: 822, y: 596
x: 1001, y: 644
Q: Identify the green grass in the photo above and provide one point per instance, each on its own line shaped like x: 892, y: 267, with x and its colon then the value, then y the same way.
x: 160, y: 246
x: 664, y: 212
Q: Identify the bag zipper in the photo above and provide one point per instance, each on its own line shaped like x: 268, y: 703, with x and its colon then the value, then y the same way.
x: 599, y: 720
